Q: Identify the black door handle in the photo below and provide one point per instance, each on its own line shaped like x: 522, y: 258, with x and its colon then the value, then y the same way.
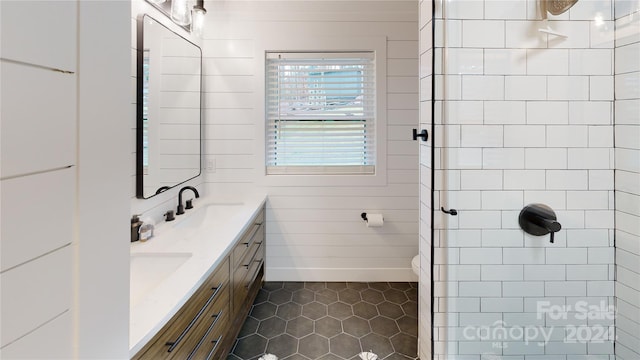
x: 423, y: 134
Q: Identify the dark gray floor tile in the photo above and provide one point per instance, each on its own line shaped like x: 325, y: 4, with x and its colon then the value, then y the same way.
x: 365, y: 310
x: 410, y: 308
x: 344, y: 345
x: 349, y: 296
x: 282, y: 345
x: 315, y: 286
x: 356, y: 326
x: 378, y: 344
x: 250, y: 346
x: 263, y: 295
x: 289, y: 310
x: 395, y: 296
x: 271, y: 327
x: 372, y: 296
x: 412, y: 294
x: 400, y: 285
x: 249, y: 327
x: 293, y: 286
x: 272, y: 285
x: 384, y: 326
x: 328, y: 327
x: 314, y: 310
x: 300, y: 327
x: 337, y: 286
x: 313, y: 346
x: 405, y: 344
x: 340, y: 310
x: 296, y: 357
x: 357, y: 285
x: 263, y: 311
x: 326, y: 296
x: 303, y: 296
x: 390, y: 310
x: 280, y: 296
x: 380, y: 286
x: 331, y: 356
x: 408, y: 325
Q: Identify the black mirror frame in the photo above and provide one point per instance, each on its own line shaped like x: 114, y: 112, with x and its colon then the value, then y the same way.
x: 140, y: 110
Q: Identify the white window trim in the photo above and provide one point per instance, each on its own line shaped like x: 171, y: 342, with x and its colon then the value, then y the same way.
x: 377, y: 44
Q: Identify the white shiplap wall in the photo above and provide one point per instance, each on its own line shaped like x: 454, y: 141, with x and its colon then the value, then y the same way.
x: 314, y: 231
x: 627, y: 125
x: 526, y: 118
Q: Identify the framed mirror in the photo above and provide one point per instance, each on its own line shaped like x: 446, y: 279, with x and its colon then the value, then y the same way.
x: 169, y: 106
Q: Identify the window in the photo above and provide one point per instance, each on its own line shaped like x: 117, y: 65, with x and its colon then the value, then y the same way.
x: 320, y: 113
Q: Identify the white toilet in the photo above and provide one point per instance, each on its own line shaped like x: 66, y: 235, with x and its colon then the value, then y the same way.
x: 415, y: 264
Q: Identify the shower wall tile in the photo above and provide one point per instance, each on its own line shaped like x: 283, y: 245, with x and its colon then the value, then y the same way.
x: 535, y: 125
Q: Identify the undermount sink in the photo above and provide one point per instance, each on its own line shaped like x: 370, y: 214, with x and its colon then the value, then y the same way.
x: 148, y: 270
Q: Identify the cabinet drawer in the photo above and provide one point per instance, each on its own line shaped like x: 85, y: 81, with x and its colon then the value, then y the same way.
x: 208, y: 335
x: 253, y: 235
x: 246, y: 273
x: 178, y: 335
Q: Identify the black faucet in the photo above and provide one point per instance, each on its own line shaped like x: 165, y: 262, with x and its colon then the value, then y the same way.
x: 539, y: 219
x: 180, y: 206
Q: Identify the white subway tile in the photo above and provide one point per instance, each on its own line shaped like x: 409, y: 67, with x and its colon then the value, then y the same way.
x: 524, y: 179
x: 460, y: 273
x: 479, y: 219
x: 453, y: 29
x: 602, y: 34
x: 503, y: 158
x: 502, y: 238
x: 504, y: 305
x: 566, y: 256
x: 628, y: 160
x: 587, y: 272
x: 481, y: 87
x: 445, y: 289
x: 459, y: 158
x: 523, y: 320
x: 573, y: 88
x: 501, y: 9
x: 505, y: 61
x: 504, y: 112
x: 461, y: 238
x: 540, y: 305
x: 571, y: 219
x: 601, y: 180
x: 601, y: 136
x: 627, y: 58
x: 483, y: 33
x: 558, y: 347
x: 548, y: 62
x: 479, y: 319
x: 482, y: 136
x: 525, y: 136
x: 480, y: 179
x: 600, y: 219
x: 522, y: 348
x: 577, y: 34
x: 462, y: 112
x: 544, y: 272
x: 527, y: 87
x: 626, y: 86
x: 452, y: 84
x: 523, y: 288
x: 459, y: 305
x: 468, y: 200
x: 627, y: 136
x: 590, y: 62
x: 546, y: 158
x: 523, y: 256
x: 554, y: 199
x: 501, y: 273
x: 591, y: 158
x: 585, y: 10
x: 464, y: 10
x: 464, y: 61
x: 547, y: 112
x: 502, y: 200
x: 480, y: 289
x: 587, y: 237
x: 587, y: 200
x: 590, y: 112
x: 565, y: 288
x: 524, y: 35
x: 601, y: 88
x: 480, y: 256
x: 600, y: 288
x: 567, y: 136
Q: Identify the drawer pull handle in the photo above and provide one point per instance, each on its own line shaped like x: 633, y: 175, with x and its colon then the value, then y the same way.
x: 253, y: 258
x: 173, y: 344
x: 255, y: 275
x: 213, y: 324
x: 255, y: 229
x: 217, y: 341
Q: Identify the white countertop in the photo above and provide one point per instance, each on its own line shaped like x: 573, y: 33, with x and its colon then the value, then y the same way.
x: 154, y: 304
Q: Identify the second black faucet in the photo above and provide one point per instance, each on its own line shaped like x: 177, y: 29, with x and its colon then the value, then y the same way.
x: 180, y: 209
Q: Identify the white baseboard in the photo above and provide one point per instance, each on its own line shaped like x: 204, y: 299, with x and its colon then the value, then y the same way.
x: 325, y: 274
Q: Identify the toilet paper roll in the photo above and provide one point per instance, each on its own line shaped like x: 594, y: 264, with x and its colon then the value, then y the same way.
x: 374, y: 220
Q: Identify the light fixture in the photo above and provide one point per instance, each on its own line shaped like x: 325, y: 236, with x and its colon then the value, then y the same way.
x: 197, y: 26
x: 180, y: 12
x: 157, y: 1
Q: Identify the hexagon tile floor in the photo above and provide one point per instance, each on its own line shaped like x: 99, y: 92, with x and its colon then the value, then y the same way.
x: 331, y: 321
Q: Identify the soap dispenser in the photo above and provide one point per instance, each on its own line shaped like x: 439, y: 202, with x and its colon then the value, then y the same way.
x: 135, y: 228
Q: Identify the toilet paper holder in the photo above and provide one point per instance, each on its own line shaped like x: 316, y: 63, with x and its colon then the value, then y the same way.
x: 364, y: 216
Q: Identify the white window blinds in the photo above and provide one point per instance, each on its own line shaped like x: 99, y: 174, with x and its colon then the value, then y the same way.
x: 320, y: 113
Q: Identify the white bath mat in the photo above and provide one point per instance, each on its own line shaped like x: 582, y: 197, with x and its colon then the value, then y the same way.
x: 368, y: 356
x: 268, y: 357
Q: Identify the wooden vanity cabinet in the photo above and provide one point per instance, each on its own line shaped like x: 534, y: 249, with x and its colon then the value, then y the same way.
x: 208, y: 323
